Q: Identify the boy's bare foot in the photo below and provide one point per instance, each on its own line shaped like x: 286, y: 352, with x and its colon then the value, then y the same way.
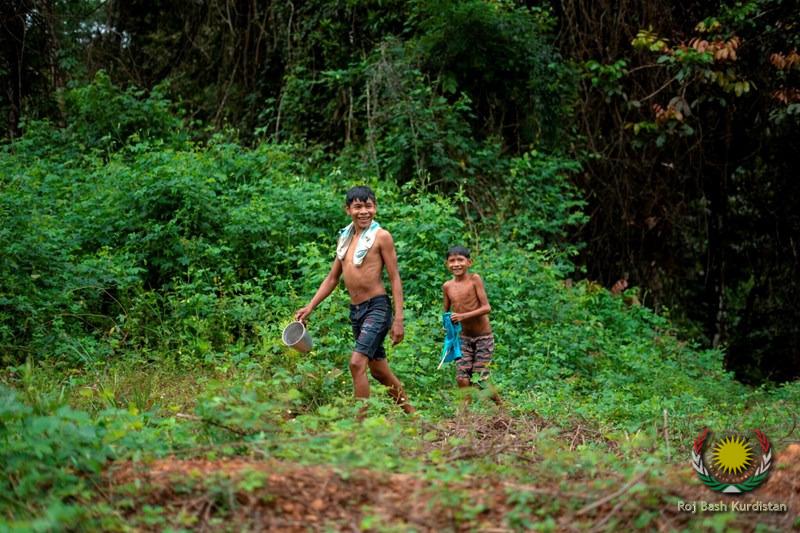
x: 402, y: 401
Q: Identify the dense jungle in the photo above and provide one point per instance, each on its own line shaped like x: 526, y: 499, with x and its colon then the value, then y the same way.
x: 172, y: 182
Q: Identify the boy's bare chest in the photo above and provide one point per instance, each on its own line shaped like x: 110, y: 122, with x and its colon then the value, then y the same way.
x: 462, y: 294
x: 370, y: 265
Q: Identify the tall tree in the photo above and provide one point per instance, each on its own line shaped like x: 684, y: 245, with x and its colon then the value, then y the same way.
x: 14, y: 44
x: 687, y: 125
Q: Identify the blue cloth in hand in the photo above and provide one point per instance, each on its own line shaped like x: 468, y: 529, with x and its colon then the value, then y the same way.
x: 452, y: 340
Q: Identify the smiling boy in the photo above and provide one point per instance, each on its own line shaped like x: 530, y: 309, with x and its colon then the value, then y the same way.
x: 466, y: 295
x: 362, y: 251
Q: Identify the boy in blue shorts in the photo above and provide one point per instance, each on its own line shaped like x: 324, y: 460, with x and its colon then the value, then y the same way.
x: 362, y: 251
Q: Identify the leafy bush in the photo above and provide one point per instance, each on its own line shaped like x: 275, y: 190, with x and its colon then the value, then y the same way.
x: 540, y: 206
x: 194, y: 255
x: 102, y: 116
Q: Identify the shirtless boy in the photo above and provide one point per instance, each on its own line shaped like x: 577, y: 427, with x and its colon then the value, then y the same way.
x: 363, y: 249
x: 466, y: 295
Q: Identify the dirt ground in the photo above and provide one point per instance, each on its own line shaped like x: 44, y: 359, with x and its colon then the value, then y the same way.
x: 251, y: 495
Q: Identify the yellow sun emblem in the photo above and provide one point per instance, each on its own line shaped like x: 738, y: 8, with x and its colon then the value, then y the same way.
x: 733, y: 455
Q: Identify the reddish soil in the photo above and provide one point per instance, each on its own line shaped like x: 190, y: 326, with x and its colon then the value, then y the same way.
x: 241, y: 494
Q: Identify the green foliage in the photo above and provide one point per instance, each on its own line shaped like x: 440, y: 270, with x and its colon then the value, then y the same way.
x: 540, y: 206
x: 101, y: 118
x: 47, y: 449
x: 419, y: 132
x: 113, y: 251
x: 52, y: 457
x: 608, y: 78
x: 736, y: 60
x: 179, y: 250
x: 433, y: 104
x: 501, y: 55
x: 199, y: 255
x: 104, y: 116
x: 148, y: 283
x: 447, y: 95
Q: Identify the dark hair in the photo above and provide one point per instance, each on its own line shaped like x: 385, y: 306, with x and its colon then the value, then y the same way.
x: 362, y: 192
x: 457, y: 250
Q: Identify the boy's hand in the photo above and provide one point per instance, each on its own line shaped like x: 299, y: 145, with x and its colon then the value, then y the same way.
x: 455, y: 318
x: 303, y: 313
x: 397, y: 332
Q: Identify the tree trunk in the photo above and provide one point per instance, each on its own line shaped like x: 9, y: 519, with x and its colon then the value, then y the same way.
x: 12, y: 42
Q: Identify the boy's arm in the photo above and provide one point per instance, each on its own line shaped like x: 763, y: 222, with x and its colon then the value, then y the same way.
x: 446, y: 297
x: 483, y: 302
x: 325, y: 288
x: 389, y: 255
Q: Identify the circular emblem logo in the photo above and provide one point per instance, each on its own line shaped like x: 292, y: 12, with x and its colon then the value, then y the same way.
x: 734, y: 466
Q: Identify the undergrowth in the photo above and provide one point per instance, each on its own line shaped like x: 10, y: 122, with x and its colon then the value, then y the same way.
x: 145, y: 283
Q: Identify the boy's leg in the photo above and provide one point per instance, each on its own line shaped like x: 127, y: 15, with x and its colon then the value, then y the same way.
x: 380, y: 370
x: 358, y: 369
x: 370, y: 326
x: 464, y: 365
x: 464, y: 371
x: 359, y: 357
x: 484, y: 350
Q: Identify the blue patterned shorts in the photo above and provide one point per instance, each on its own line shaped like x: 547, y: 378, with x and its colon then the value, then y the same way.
x: 371, y: 321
